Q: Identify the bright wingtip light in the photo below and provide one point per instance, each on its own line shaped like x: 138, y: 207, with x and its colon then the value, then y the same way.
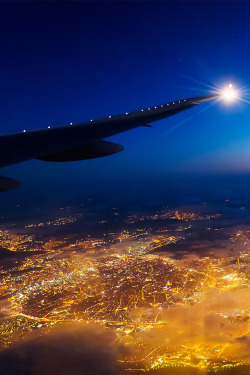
x: 229, y: 94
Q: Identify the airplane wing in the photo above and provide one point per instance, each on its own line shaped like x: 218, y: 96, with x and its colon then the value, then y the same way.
x: 83, y: 140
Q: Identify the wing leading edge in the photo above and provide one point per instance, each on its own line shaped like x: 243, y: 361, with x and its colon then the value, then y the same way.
x: 83, y: 140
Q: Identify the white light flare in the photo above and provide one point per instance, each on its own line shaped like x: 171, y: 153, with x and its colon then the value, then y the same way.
x: 229, y: 94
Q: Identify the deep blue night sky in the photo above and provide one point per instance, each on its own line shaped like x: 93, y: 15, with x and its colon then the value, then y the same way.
x: 65, y: 62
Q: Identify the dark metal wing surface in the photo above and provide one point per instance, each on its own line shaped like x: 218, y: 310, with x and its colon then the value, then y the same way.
x: 83, y: 140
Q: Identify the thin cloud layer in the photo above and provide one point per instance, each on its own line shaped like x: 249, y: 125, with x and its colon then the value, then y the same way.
x: 68, y: 349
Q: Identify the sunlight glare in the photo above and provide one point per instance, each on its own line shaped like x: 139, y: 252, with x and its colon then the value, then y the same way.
x: 229, y: 94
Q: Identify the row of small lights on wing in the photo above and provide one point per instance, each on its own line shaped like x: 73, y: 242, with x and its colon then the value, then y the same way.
x: 142, y: 110
x: 163, y: 105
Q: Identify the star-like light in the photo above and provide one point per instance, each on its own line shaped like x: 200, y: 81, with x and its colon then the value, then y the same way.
x: 229, y: 94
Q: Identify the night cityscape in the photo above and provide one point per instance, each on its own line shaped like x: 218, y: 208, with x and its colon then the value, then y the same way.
x: 180, y: 275
x: 137, y: 262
